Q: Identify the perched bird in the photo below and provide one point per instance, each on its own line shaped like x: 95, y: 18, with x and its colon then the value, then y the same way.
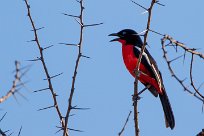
x: 149, y: 74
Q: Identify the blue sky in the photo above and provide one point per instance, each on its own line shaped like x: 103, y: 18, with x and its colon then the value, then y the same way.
x: 103, y: 83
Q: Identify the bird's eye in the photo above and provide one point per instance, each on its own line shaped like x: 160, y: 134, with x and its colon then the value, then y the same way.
x: 123, y: 33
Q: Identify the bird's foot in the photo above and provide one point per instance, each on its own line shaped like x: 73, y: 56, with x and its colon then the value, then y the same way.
x: 136, y: 98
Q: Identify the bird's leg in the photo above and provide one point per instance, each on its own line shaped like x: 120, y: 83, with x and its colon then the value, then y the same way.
x: 146, y: 87
x: 137, y: 74
x: 137, y: 97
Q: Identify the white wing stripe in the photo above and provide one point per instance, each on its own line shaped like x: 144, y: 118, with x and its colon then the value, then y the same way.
x: 152, y: 66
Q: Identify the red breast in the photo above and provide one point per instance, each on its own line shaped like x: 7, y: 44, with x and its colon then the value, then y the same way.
x: 130, y: 61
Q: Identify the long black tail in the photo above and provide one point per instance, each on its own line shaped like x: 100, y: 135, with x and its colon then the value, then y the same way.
x: 167, y: 110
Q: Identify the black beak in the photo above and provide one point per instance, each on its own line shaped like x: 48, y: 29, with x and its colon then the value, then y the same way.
x: 114, y: 34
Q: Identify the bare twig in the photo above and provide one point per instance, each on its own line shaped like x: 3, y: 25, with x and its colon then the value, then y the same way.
x: 54, y: 76
x: 93, y: 25
x: 70, y: 15
x: 138, y: 65
x: 69, y: 108
x: 177, y: 43
x: 3, y: 116
x: 71, y: 129
x: 147, y: 87
x: 123, y: 129
x: 79, y: 20
x: 40, y: 90
x: 174, y: 43
x: 69, y: 44
x: 191, y: 78
x: 2, y: 133
x: 139, y: 5
x: 19, y: 133
x: 48, y: 47
x: 39, y: 28
x: 77, y: 130
x: 46, y: 108
x: 187, y: 89
x: 48, y: 77
x: 16, y: 82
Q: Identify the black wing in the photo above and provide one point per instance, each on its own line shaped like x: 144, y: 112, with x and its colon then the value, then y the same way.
x: 151, y: 65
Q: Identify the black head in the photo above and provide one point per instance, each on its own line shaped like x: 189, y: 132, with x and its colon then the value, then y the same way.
x: 127, y: 36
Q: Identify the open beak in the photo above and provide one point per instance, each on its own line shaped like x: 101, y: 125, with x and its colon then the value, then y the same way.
x: 114, y: 34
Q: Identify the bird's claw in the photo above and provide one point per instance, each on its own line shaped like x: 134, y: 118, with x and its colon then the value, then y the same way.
x: 136, y: 98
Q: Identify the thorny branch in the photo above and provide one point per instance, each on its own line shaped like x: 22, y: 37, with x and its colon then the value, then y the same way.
x: 2, y: 133
x: 193, y: 52
x: 191, y: 78
x: 41, y: 58
x: 183, y: 46
x: 19, y: 133
x: 16, y: 83
x: 79, y: 20
x: 76, y: 67
x: 123, y: 129
x: 135, y: 96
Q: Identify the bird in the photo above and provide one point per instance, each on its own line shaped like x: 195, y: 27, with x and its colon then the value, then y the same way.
x: 149, y: 74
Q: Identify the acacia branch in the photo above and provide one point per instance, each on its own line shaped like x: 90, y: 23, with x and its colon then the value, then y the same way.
x: 191, y: 78
x: 15, y: 84
x: 79, y: 20
x: 69, y: 108
x: 183, y: 46
x: 174, y: 43
x: 41, y: 52
x: 197, y: 95
x: 137, y: 68
x: 123, y: 129
x: 2, y: 133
